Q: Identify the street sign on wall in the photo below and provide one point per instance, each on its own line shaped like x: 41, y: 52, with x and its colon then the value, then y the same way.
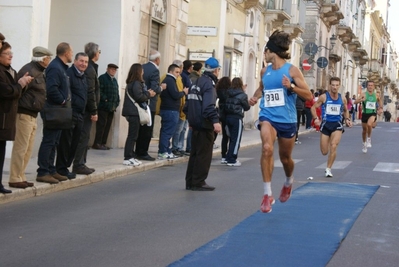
x: 305, y: 65
x: 322, y: 62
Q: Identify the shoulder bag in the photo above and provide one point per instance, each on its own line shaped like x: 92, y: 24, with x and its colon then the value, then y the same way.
x: 144, y: 114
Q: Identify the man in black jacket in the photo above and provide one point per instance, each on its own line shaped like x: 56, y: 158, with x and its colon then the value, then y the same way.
x: 169, y: 111
x: 90, y: 115
x: 57, y: 93
x: 151, y: 78
x: 70, y: 138
x: 203, y: 118
x: 29, y: 105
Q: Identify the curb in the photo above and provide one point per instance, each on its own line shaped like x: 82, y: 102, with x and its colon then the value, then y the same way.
x: 112, y: 172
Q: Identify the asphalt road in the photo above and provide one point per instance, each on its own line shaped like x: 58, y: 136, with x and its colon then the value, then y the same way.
x: 150, y: 220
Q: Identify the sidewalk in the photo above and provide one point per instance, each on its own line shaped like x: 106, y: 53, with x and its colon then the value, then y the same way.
x: 108, y: 165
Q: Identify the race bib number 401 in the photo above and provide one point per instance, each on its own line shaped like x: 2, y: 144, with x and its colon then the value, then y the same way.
x: 274, y: 98
x: 333, y: 109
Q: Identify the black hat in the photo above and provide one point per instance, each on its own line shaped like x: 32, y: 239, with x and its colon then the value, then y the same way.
x: 111, y: 65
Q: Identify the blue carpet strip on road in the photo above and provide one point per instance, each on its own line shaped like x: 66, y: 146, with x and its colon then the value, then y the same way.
x: 305, y: 231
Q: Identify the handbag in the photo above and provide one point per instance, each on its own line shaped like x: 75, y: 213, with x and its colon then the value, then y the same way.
x: 57, y: 117
x: 144, y: 113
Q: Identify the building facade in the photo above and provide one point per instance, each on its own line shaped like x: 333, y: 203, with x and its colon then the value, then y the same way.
x: 350, y: 37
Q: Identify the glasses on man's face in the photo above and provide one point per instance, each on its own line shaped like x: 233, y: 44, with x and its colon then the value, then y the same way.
x: 8, y: 53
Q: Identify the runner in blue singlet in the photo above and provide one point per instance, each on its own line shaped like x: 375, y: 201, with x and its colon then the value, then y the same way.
x: 280, y: 85
x: 331, y: 128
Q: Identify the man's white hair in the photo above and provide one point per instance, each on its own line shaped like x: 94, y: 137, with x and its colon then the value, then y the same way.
x: 178, y: 63
x: 154, y: 54
x: 39, y: 59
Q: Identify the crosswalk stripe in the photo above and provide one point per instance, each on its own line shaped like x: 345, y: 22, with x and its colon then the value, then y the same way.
x: 386, y: 167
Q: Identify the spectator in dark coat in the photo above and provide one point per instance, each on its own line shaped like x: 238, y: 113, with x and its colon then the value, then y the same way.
x: 10, y: 90
x: 221, y: 90
x: 235, y: 106
x: 57, y: 93
x: 29, y: 105
x: 204, y: 120
x: 90, y: 115
x: 109, y: 101
x: 135, y: 91
x: 151, y: 79
x: 70, y: 138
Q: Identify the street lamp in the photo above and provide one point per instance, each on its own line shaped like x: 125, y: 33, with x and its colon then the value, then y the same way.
x: 349, y: 66
x: 333, y: 41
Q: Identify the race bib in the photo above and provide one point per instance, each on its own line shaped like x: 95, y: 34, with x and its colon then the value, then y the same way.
x: 333, y: 109
x: 370, y: 105
x: 274, y: 98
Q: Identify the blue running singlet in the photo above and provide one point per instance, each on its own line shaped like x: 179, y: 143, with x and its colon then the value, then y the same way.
x: 331, y: 110
x: 277, y: 103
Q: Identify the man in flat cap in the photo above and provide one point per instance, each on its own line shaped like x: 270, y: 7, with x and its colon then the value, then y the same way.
x: 29, y: 105
x: 109, y: 101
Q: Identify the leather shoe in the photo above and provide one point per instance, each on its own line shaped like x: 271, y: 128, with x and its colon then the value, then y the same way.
x: 203, y: 187
x: 106, y: 147
x: 98, y: 146
x: 69, y: 175
x: 60, y: 177
x: 47, y: 179
x: 29, y: 184
x: 146, y: 157
x: 82, y: 170
x: 18, y: 185
x: 5, y: 191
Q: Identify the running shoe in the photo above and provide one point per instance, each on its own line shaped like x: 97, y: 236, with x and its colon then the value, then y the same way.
x: 167, y: 155
x: 368, y: 142
x: 364, y: 149
x: 131, y: 162
x: 235, y: 164
x: 223, y: 161
x: 267, y: 202
x: 285, y: 193
x: 328, y: 173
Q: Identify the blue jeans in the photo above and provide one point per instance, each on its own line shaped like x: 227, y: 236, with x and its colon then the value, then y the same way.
x: 46, y: 154
x: 178, y: 137
x: 169, y: 121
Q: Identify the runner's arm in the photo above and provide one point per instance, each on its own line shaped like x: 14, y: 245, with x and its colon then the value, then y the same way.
x: 318, y: 103
x: 301, y: 88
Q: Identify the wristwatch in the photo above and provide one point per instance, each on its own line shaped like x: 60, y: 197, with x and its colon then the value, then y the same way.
x: 292, y: 86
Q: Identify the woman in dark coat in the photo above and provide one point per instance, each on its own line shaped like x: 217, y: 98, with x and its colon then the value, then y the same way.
x: 10, y: 91
x: 137, y: 91
x: 221, y: 90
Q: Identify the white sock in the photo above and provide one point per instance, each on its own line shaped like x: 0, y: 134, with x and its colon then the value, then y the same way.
x: 267, y: 188
x: 289, y: 180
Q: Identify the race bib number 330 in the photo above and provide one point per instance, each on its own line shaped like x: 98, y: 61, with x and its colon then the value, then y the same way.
x: 274, y: 98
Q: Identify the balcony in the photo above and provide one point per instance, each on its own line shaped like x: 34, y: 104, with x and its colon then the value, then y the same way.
x: 330, y: 12
x: 297, y: 24
x: 276, y: 14
x: 293, y: 29
x: 250, y: 3
x: 345, y: 33
x: 354, y: 44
